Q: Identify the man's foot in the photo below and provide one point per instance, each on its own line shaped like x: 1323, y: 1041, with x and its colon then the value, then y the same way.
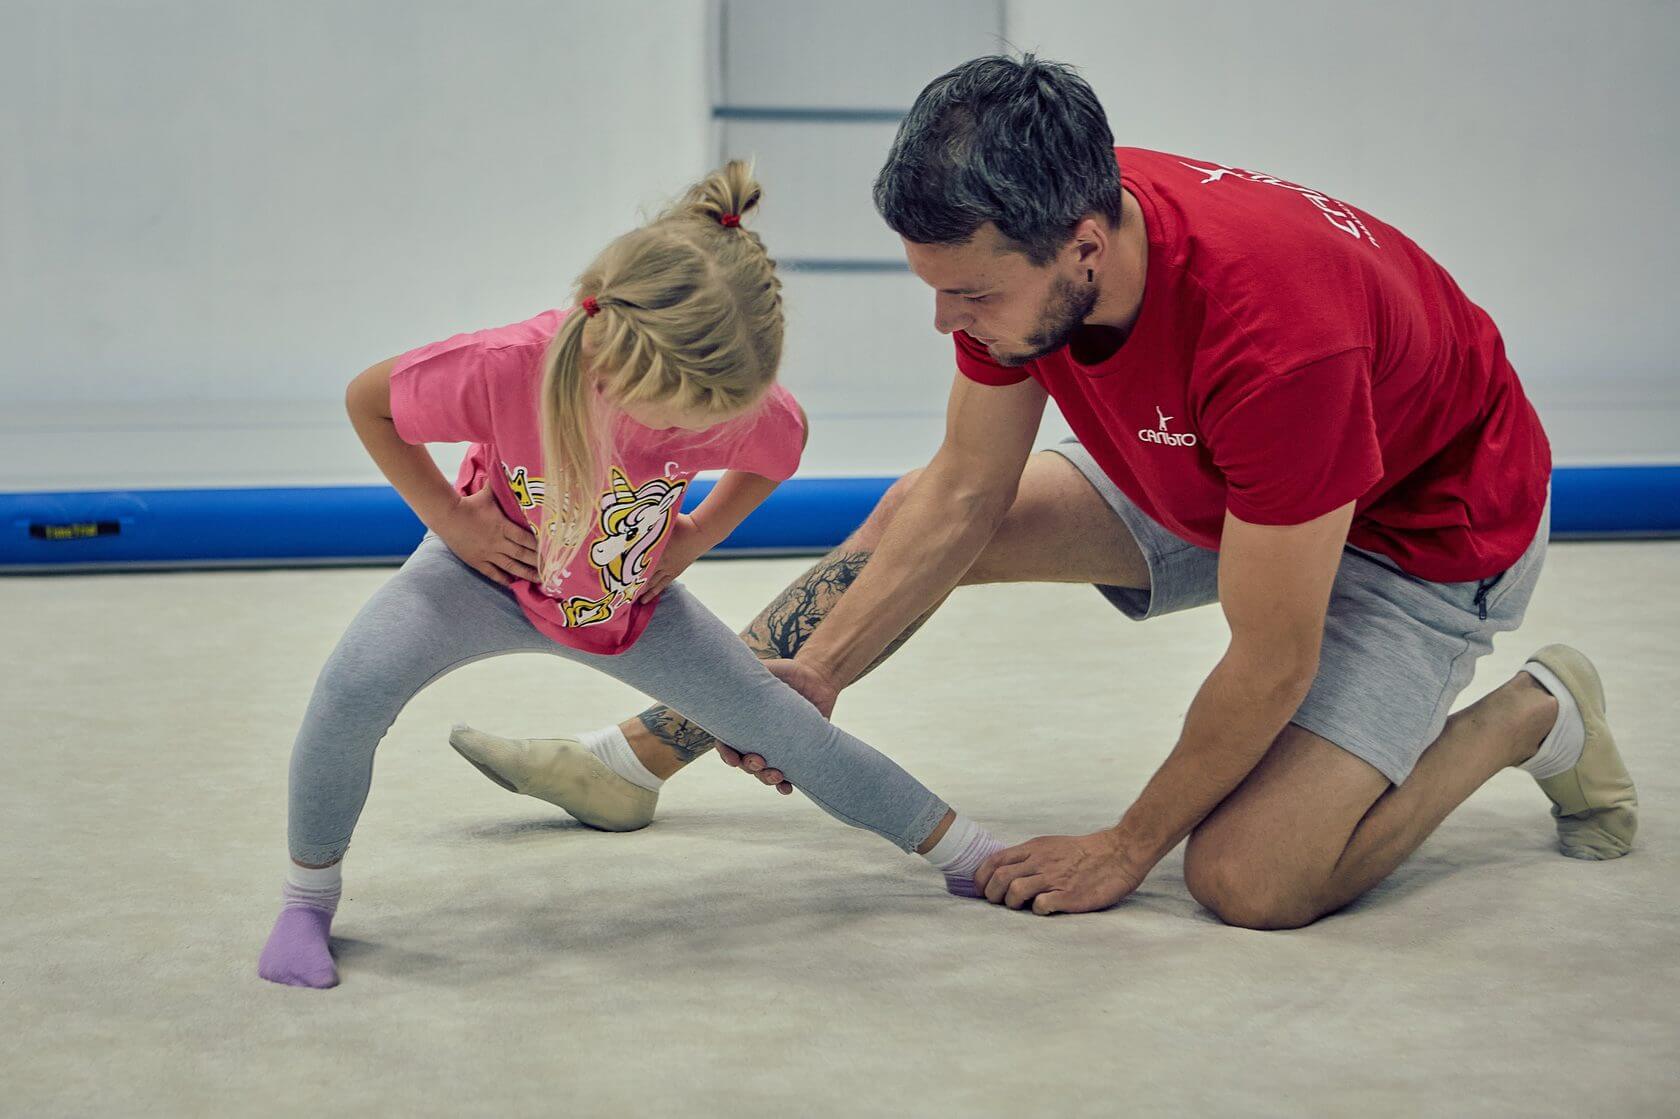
x: 1594, y: 803
x: 561, y: 771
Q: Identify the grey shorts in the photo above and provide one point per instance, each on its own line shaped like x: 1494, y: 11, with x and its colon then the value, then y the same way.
x: 1397, y: 649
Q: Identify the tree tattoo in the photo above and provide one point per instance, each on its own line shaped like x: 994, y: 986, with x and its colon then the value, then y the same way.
x: 778, y: 633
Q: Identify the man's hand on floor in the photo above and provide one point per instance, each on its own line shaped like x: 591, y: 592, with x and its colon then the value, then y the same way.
x: 1059, y: 874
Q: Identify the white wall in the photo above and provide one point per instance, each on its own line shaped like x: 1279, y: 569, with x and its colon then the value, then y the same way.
x: 1531, y: 146
x: 212, y: 215
x: 813, y: 91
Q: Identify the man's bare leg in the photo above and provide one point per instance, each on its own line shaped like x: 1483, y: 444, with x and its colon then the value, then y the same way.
x: 1059, y: 530
x: 1313, y: 827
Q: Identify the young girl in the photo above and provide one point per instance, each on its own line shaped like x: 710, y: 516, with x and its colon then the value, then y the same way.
x: 563, y: 534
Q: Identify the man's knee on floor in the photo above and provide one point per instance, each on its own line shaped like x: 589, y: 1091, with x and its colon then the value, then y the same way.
x: 1240, y: 892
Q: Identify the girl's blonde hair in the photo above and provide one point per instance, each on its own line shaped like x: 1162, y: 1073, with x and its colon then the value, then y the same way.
x: 689, y: 315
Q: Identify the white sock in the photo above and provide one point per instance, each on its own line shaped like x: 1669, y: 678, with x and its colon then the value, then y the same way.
x: 1562, y: 747
x: 314, y: 887
x: 961, y: 850
x: 610, y: 745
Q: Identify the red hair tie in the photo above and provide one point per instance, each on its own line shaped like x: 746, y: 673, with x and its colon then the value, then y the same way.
x: 590, y: 307
x: 730, y: 221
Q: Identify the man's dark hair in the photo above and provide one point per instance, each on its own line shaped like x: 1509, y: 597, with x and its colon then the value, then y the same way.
x: 1021, y: 143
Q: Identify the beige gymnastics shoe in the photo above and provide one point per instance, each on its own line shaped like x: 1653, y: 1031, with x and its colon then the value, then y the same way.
x: 1595, y: 806
x: 561, y: 771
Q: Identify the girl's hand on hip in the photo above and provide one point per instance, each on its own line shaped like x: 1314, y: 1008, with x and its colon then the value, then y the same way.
x: 479, y: 533
x: 687, y: 544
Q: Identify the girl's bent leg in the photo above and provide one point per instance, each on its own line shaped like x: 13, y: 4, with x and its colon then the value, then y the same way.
x: 434, y: 615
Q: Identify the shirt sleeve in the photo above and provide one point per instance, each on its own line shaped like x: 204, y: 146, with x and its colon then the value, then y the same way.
x: 1298, y: 445
x: 975, y: 363
x: 772, y: 444
x: 440, y: 393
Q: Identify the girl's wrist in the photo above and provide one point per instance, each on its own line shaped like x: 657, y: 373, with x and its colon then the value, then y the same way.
x: 438, y: 509
x: 708, y: 532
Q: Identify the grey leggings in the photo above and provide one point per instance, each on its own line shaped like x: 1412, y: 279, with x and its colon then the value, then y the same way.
x: 437, y: 614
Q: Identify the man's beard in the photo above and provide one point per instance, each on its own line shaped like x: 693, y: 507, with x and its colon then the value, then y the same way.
x: 1065, y: 309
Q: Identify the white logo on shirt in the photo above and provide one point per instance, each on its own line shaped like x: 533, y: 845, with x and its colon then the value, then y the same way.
x: 1336, y: 213
x: 1164, y: 437
x: 1213, y: 174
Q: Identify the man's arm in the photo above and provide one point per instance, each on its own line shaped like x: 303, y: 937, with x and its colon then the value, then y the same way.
x: 938, y: 530
x: 1274, y: 586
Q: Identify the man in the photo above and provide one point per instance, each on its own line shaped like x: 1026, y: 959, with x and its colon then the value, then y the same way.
x: 1280, y: 404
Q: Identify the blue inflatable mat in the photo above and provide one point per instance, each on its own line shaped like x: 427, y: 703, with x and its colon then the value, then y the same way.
x: 359, y: 524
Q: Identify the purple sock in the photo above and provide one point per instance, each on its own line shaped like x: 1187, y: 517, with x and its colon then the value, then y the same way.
x: 296, y: 953
x: 959, y: 853
x: 961, y: 883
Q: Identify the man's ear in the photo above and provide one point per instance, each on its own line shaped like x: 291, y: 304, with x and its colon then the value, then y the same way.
x: 1091, y: 238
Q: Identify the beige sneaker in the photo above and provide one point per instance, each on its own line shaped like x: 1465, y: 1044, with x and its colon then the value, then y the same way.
x: 561, y: 771
x: 1595, y: 806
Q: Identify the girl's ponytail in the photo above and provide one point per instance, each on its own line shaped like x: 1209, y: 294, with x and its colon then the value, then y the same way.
x: 575, y: 451
x: 686, y: 310
x: 730, y: 190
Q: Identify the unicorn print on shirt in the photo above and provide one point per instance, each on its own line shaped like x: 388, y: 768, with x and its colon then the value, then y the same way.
x: 634, y: 519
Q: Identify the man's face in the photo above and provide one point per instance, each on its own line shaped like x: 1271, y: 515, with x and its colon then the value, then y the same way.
x: 1018, y: 310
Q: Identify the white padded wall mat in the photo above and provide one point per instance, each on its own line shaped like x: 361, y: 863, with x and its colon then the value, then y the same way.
x: 1528, y: 145
x: 814, y: 93
x: 213, y: 215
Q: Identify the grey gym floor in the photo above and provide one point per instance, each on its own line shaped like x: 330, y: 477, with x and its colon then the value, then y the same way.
x: 746, y: 954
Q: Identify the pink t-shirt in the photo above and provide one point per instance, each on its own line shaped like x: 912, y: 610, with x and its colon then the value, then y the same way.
x: 482, y: 388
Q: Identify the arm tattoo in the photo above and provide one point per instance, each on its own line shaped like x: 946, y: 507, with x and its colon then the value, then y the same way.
x: 785, y: 625
x: 779, y: 632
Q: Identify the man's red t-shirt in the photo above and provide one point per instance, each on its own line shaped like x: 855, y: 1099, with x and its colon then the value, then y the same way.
x: 1294, y: 354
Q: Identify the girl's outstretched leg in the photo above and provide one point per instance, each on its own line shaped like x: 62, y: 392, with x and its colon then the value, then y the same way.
x: 689, y: 660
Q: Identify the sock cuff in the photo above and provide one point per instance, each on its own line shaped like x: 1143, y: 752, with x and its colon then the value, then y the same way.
x: 1560, y: 750
x: 607, y: 738
x: 1547, y: 679
x: 293, y: 897
x: 315, y: 880
x: 614, y: 750
x: 954, y: 844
